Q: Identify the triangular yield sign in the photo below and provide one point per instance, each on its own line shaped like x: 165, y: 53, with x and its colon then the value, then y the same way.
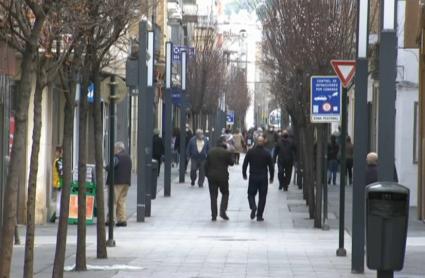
x: 345, y: 70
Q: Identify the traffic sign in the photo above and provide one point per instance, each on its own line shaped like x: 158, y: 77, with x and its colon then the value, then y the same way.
x: 325, y: 99
x: 345, y: 70
x: 177, y: 50
x: 230, y: 118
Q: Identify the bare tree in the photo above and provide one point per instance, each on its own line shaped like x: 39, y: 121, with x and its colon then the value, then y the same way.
x: 23, y: 22
x: 299, y: 41
x: 207, y: 72
x: 237, y: 95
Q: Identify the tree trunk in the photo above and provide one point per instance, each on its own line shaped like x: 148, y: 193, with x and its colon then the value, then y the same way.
x: 319, y: 176
x: 16, y: 161
x: 307, y: 152
x: 98, y: 137
x: 68, y: 132
x: 81, y: 264
x: 32, y: 179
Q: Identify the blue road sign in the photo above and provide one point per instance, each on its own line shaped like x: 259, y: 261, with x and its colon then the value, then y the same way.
x: 177, y: 50
x: 325, y: 99
x: 176, y: 96
x: 230, y: 118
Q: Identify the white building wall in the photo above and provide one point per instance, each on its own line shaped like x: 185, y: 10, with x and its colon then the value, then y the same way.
x: 406, y: 168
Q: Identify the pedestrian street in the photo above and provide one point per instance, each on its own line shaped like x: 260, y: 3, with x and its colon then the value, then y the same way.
x: 180, y: 240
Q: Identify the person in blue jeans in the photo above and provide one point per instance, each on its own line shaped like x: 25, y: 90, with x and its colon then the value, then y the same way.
x: 333, y: 149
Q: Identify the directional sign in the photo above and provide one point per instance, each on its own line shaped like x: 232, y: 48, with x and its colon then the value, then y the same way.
x: 345, y: 70
x: 177, y: 50
x: 325, y: 99
x: 230, y: 118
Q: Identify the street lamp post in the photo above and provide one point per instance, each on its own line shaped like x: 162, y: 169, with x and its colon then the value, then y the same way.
x: 182, y: 163
x: 360, y: 139
x: 168, y: 118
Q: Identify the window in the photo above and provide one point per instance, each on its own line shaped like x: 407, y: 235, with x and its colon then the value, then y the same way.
x: 415, y: 132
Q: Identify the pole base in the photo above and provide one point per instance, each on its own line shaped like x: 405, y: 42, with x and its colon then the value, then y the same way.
x: 341, y: 252
x: 141, y: 213
x: 385, y: 274
x: 110, y: 243
x: 354, y: 271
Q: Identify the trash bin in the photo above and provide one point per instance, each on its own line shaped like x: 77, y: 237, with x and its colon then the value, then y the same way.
x: 154, y: 181
x: 387, y: 214
x: 73, y: 202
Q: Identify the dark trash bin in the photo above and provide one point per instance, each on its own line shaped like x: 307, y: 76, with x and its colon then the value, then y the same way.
x: 387, y: 214
x: 154, y: 181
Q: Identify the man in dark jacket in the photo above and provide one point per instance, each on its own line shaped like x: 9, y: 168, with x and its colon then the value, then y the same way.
x: 197, y: 151
x: 216, y: 170
x: 157, y: 148
x: 259, y: 161
x: 121, y: 182
x: 285, y: 154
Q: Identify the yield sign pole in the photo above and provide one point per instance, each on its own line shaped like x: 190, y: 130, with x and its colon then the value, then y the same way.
x: 345, y: 70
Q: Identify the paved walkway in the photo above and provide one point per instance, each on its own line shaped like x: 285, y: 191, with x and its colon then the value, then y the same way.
x: 180, y: 241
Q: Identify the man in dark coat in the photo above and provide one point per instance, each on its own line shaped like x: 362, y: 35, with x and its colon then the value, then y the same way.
x: 285, y: 155
x: 197, y: 151
x: 121, y: 182
x: 259, y: 161
x: 216, y: 170
x: 157, y: 148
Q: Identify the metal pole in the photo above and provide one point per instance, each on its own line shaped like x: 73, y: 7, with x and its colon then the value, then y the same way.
x: 111, y: 241
x: 182, y: 169
x: 387, y: 98
x: 324, y: 179
x: 141, y: 140
x: 148, y: 132
x: 361, y: 139
x: 341, y: 252
x: 168, y: 122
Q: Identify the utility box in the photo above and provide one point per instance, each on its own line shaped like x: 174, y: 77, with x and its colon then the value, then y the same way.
x: 387, y: 214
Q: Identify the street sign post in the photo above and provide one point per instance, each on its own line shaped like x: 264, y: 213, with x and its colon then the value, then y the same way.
x: 345, y: 70
x: 325, y: 99
x: 230, y: 118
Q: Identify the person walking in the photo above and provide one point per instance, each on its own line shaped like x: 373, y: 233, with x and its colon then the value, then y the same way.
x: 372, y: 168
x: 259, y: 161
x: 239, y: 145
x: 57, y: 182
x: 197, y: 151
x: 285, y: 156
x: 349, y: 152
x: 270, y: 140
x: 157, y: 148
x: 121, y: 182
x: 333, y: 149
x: 216, y: 171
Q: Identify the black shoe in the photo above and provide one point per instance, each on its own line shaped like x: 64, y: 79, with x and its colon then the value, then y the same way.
x: 280, y: 187
x: 192, y: 183
x: 213, y: 219
x: 253, y: 211
x: 224, y: 216
x: 201, y: 185
x: 285, y: 189
x: 121, y: 224
x: 53, y: 218
x: 260, y: 219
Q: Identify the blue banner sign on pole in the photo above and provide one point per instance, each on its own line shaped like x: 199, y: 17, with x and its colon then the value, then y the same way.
x: 177, y: 50
x: 325, y: 104
x: 176, y: 96
x: 230, y: 118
